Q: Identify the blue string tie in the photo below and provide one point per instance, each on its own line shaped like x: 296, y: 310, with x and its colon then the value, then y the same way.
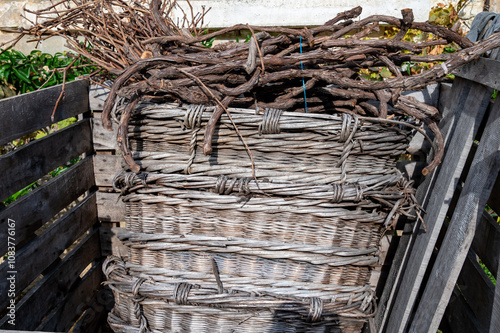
x: 303, y: 81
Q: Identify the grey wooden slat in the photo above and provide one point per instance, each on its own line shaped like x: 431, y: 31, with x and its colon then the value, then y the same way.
x: 104, y: 139
x: 92, y: 319
x: 494, y: 200
x: 110, y: 208
x: 98, y: 95
x: 36, y: 304
x: 482, y: 70
x: 110, y: 244
x: 39, y: 254
x: 106, y: 167
x: 472, y: 106
x: 453, y: 251
x: 31, y: 162
x: 486, y: 242
x: 445, y: 98
x: 24, y: 114
x: 34, y: 209
x: 477, y: 289
x: 62, y: 318
x: 460, y: 88
x: 459, y: 316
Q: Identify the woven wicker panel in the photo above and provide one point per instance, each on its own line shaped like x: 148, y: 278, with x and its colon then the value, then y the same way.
x: 294, y: 147
x: 170, y: 307
x: 289, y: 250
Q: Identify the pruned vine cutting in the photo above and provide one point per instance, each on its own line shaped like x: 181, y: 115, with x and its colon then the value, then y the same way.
x: 316, y: 69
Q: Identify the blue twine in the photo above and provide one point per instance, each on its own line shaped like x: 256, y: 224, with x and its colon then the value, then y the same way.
x: 302, y: 68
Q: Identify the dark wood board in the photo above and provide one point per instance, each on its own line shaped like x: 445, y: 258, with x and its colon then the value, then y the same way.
x: 24, y: 114
x: 482, y: 70
x: 477, y: 289
x: 494, y: 199
x: 36, y: 304
x: 33, y: 161
x: 486, y: 242
x: 39, y: 254
x: 34, y: 209
x: 459, y: 316
x: 75, y: 302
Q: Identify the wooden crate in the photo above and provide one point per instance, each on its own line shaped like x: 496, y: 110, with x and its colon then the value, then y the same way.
x: 55, y: 274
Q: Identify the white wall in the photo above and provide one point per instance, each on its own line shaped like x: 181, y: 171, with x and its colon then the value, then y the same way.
x: 225, y: 13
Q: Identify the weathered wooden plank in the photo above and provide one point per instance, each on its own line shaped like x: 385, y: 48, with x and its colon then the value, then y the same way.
x: 34, y: 209
x: 31, y: 162
x: 106, y: 167
x: 36, y: 304
x: 477, y: 289
x: 39, y: 254
x: 104, y: 139
x: 460, y: 233
x: 482, y: 70
x: 110, y: 208
x: 91, y: 320
x: 460, y: 88
x: 98, y: 95
x: 94, y: 318
x: 75, y: 302
x: 445, y: 97
x: 110, y: 244
x: 459, y: 316
x: 486, y: 242
x: 24, y: 114
x: 471, y: 106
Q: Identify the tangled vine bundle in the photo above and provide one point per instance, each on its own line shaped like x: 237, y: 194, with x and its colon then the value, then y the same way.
x: 211, y: 248
x: 308, y: 69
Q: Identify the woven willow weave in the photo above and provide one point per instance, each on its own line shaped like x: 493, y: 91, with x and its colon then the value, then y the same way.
x: 213, y: 248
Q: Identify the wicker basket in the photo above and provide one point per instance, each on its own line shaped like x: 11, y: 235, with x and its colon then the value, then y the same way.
x: 212, y: 248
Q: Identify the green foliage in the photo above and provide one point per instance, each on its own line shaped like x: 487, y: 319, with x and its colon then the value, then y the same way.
x: 443, y: 15
x: 20, y: 193
x: 488, y: 273
x: 208, y: 42
x: 492, y: 213
x: 23, y: 73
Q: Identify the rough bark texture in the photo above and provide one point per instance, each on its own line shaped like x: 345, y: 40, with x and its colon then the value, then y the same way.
x: 315, y: 69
